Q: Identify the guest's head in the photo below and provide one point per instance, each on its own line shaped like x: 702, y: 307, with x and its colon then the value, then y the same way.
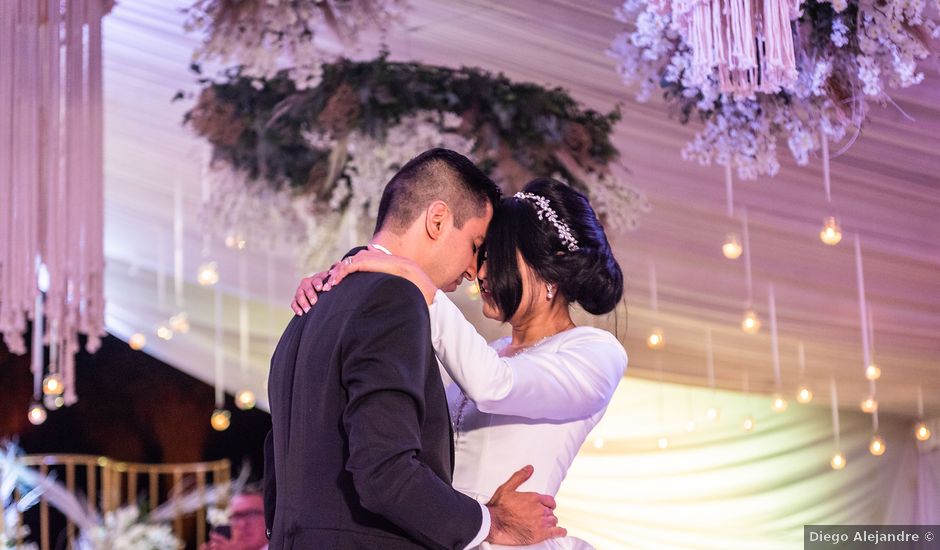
x: 547, y: 236
x: 437, y: 208
x: 246, y: 516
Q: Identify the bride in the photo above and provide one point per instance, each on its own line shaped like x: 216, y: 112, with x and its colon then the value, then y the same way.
x: 532, y: 397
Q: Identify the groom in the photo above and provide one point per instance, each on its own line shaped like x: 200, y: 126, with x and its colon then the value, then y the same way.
x: 361, y: 452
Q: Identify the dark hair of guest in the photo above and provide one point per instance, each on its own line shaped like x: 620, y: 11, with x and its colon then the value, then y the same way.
x: 436, y: 174
x: 589, y: 276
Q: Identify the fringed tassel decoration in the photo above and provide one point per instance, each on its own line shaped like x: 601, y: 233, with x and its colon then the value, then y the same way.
x: 51, y: 174
x: 747, y: 45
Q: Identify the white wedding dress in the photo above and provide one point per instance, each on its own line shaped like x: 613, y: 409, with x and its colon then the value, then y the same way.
x: 536, y: 407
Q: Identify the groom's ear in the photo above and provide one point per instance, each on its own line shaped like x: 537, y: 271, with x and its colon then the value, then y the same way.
x: 435, y: 219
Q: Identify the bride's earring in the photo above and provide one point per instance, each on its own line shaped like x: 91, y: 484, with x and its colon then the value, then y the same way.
x: 551, y: 292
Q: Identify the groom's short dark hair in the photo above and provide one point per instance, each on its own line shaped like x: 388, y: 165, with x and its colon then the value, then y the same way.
x: 436, y: 174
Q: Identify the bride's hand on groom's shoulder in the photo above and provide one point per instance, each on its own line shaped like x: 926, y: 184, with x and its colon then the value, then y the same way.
x: 370, y: 259
x: 307, y: 291
x: 521, y: 518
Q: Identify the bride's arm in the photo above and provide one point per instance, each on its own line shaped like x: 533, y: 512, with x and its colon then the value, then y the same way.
x: 575, y: 382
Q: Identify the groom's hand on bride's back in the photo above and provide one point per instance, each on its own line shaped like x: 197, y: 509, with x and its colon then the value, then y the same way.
x: 521, y: 518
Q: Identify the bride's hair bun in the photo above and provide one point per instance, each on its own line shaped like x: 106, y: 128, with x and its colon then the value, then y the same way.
x: 586, y: 273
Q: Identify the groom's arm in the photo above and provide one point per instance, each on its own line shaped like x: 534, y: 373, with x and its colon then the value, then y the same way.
x: 384, y: 374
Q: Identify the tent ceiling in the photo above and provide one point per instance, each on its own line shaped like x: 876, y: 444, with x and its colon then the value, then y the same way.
x: 886, y: 188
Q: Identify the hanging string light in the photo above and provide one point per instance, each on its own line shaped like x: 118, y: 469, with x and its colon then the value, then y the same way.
x: 750, y: 324
x: 137, y: 341
x: 208, y: 273
x: 236, y: 241
x: 36, y: 413
x: 921, y: 431
x: 52, y: 385
x: 655, y: 339
x: 872, y: 371
x: 749, y: 422
x: 244, y: 399
x: 869, y: 404
x: 838, y: 459
x: 831, y: 233
x: 53, y: 402
x: 731, y: 248
x: 179, y: 322
x: 876, y: 445
x: 221, y: 418
x: 804, y: 394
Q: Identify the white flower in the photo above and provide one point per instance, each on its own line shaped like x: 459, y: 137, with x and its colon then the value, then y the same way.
x: 259, y: 36
x: 884, y: 53
x: 839, y: 35
x: 869, y: 74
x: 216, y: 516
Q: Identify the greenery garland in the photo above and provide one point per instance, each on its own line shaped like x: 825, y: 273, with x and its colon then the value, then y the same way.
x: 263, y: 128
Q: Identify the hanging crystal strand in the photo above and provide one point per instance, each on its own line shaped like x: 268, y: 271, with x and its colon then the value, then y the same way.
x: 656, y: 339
x: 17, y: 301
x: 870, y: 403
x: 747, y: 259
x: 37, y: 358
x: 779, y: 404
x: 74, y: 174
x: 94, y: 326
x: 219, y: 351
x: 178, y: 245
x: 245, y: 398
x: 7, y: 17
x: 838, y: 459
x: 804, y: 394
x: 221, y: 418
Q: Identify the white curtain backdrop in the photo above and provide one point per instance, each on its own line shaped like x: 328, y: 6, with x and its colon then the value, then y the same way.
x: 722, y: 488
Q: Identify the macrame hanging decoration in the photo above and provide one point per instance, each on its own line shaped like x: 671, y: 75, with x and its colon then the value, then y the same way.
x: 747, y: 45
x: 51, y: 177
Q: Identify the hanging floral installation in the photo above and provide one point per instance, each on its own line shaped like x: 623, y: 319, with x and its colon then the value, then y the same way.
x: 259, y: 35
x: 303, y: 165
x: 52, y: 184
x: 848, y: 55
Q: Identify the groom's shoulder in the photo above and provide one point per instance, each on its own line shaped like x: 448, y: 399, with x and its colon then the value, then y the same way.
x: 367, y: 289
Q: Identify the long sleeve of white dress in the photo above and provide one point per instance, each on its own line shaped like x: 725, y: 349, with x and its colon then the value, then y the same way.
x: 576, y: 380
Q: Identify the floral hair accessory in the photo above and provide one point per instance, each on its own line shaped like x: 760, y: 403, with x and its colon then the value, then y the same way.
x: 545, y: 211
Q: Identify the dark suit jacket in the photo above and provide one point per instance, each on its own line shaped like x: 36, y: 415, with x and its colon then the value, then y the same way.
x: 361, y: 440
